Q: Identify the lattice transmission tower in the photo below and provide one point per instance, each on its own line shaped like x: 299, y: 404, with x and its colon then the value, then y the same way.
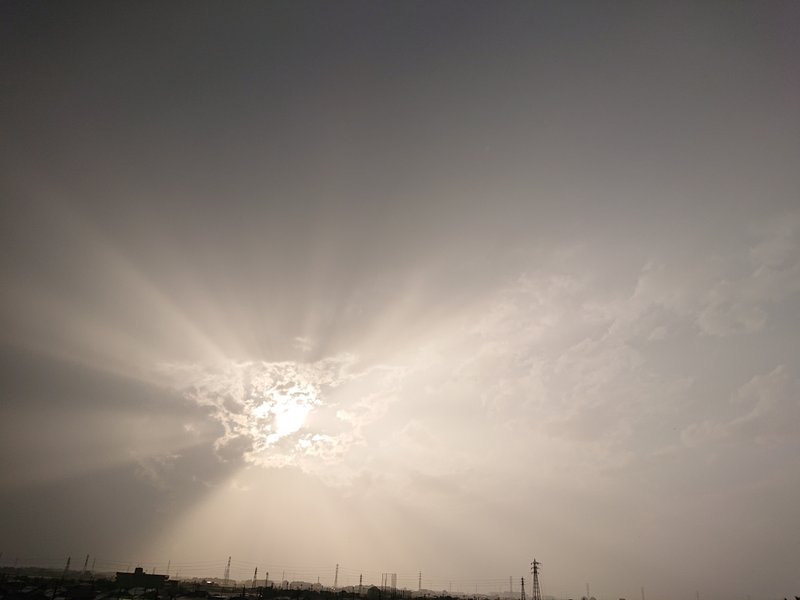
x: 536, y: 592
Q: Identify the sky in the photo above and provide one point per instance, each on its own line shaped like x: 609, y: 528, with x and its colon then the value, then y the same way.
x: 406, y: 287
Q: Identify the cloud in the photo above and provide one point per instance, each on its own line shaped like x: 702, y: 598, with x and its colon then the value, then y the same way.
x: 720, y: 294
x: 740, y: 305
x: 278, y: 414
x: 304, y: 344
x: 156, y: 470
x: 765, y: 410
x: 777, y: 242
x: 593, y: 370
x: 599, y: 370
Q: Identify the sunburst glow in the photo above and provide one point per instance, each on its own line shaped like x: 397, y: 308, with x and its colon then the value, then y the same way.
x: 285, y: 414
x: 266, y: 406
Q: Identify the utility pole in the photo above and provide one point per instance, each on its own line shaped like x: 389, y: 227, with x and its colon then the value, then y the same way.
x: 336, y: 578
x: 255, y: 577
x: 642, y: 592
x: 227, y: 576
x: 266, y: 580
x: 63, y: 576
x: 419, y: 582
x: 85, y: 566
x: 169, y: 564
x: 587, y: 592
x: 510, y: 585
x: 360, y: 579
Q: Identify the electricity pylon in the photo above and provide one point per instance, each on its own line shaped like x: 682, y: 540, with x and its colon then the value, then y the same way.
x: 536, y: 594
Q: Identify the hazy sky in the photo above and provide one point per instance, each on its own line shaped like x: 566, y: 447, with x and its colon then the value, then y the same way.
x: 404, y: 286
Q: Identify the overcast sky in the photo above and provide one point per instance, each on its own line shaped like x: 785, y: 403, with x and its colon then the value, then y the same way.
x: 407, y: 287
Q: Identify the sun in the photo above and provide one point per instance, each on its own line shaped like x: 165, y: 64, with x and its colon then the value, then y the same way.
x: 290, y: 416
x: 271, y: 407
x: 284, y: 412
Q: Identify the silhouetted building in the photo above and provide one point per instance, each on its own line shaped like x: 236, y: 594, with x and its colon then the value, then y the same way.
x: 140, y: 579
